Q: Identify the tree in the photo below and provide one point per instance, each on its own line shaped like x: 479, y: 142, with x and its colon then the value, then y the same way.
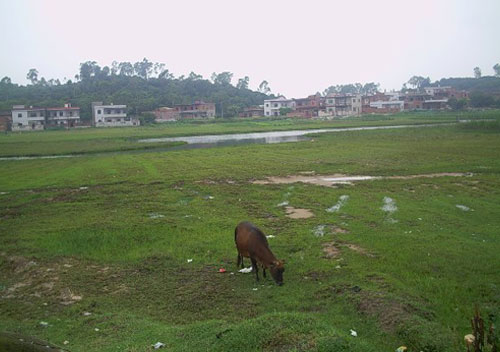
x: 89, y: 69
x: 457, y: 104
x: 284, y: 111
x: 6, y: 80
x: 370, y: 88
x: 126, y: 69
x: 114, y: 68
x: 264, y: 87
x: 243, y: 83
x: 496, y: 68
x: 418, y: 82
x: 194, y: 77
x: 165, y: 74
x: 477, y: 72
x: 481, y: 100
x: 223, y: 78
x: 32, y: 76
x: 158, y: 68
x: 143, y: 68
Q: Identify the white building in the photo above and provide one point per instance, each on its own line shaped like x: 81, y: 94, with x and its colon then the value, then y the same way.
x: 67, y: 116
x: 111, y: 115
x: 27, y: 119
x: 343, y: 104
x: 272, y: 106
x: 391, y: 104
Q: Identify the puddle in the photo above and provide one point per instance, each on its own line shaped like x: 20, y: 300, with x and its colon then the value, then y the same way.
x: 319, y: 231
x: 390, y: 208
x: 335, y: 179
x: 341, y: 202
x: 223, y: 140
x: 271, y: 137
x: 156, y: 216
x: 389, y: 205
x: 297, y: 213
x: 463, y: 207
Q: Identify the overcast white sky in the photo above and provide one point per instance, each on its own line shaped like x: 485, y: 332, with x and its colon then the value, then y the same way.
x: 299, y: 47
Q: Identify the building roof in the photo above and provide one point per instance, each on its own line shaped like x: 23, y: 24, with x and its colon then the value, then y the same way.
x: 22, y: 107
x: 65, y: 108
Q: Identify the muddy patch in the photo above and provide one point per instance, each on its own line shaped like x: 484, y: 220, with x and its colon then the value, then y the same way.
x: 358, y: 249
x: 330, y: 250
x: 339, y: 179
x: 297, y: 213
x: 390, y: 313
x: 321, y: 230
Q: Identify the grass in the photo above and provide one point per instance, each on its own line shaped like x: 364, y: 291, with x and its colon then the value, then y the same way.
x: 117, y: 230
x: 97, y: 140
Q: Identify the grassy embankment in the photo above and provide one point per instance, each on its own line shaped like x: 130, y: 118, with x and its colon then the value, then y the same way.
x: 111, y: 235
x: 99, y: 140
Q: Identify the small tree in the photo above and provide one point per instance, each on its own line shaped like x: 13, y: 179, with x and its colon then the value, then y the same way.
x: 264, y: 87
x: 457, y: 104
x: 32, y: 75
x: 496, y: 68
x: 477, y: 72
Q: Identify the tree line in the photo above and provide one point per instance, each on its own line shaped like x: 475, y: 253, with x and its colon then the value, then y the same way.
x: 142, y: 86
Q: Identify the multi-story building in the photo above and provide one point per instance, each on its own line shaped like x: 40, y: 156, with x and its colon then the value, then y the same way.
x: 253, y: 111
x: 272, y: 106
x: 67, y: 116
x: 166, y: 114
x: 27, y: 118
x: 111, y: 115
x: 381, y: 103
x: 307, y: 107
x: 5, y: 120
x: 199, y: 109
x: 342, y: 105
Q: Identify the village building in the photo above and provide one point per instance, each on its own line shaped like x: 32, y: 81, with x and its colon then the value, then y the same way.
x: 166, y: 114
x: 253, y: 111
x: 272, y: 106
x: 342, y: 105
x: 5, y: 120
x: 199, y: 109
x: 307, y: 107
x: 111, y: 116
x: 27, y: 118
x: 382, y: 103
x: 67, y: 116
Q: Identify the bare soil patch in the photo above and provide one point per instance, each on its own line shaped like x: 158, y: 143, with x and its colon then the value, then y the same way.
x: 330, y: 250
x: 336, y: 179
x: 297, y: 213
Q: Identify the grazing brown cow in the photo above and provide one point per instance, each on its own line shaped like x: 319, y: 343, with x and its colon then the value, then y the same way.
x: 252, y: 243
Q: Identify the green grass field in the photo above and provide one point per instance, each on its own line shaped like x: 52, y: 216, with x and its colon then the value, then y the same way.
x: 111, y: 235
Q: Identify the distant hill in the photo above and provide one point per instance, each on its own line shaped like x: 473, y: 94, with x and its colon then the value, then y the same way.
x: 138, y: 93
x: 487, y: 84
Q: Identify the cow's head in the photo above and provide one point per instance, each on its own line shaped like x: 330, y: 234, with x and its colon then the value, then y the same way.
x: 277, y: 270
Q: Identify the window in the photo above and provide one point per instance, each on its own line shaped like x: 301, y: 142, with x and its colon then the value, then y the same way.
x: 267, y: 105
x: 60, y: 113
x: 99, y: 112
x: 71, y: 113
x: 20, y: 115
x: 32, y: 114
